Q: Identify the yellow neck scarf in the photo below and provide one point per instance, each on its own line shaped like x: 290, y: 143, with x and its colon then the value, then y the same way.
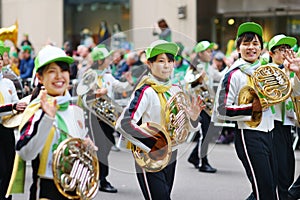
x: 160, y: 89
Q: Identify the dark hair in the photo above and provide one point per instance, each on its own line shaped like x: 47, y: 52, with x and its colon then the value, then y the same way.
x: 162, y: 24
x: 63, y: 65
x: 170, y: 57
x: 247, y: 37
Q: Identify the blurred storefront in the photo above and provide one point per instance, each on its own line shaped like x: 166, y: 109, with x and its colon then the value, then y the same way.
x: 58, y: 21
x: 275, y: 16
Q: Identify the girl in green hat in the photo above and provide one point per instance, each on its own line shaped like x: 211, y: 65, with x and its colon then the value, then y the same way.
x: 50, y: 118
x: 147, y: 105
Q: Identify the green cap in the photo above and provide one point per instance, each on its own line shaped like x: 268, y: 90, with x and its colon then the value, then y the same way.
x: 250, y: 27
x: 50, y: 54
x: 100, y: 52
x: 3, y: 48
x: 26, y: 48
x: 281, y: 39
x: 204, y: 45
x: 161, y: 46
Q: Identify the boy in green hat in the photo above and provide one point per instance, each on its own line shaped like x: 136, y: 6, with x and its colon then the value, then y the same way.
x: 147, y: 106
x: 253, y: 142
x: 279, y: 47
x: 257, y: 161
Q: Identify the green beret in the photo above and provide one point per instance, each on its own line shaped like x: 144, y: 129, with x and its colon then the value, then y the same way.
x: 161, y: 46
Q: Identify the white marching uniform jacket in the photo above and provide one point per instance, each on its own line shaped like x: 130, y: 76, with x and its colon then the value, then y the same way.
x: 144, y: 106
x: 9, y: 94
x: 35, y: 135
x: 284, y: 112
x: 226, y: 105
x: 114, y: 85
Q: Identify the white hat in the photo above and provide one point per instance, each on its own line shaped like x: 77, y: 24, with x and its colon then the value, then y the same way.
x: 51, y: 54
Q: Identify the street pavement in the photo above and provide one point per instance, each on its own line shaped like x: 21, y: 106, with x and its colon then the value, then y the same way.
x: 229, y: 183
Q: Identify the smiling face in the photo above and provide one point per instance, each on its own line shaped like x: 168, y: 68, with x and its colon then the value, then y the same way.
x: 162, y: 67
x: 54, y: 79
x: 250, y: 50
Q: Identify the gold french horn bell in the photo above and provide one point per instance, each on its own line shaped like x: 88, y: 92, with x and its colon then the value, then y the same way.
x: 271, y: 86
x: 75, y: 169
x: 10, y: 33
x: 146, y: 160
x: 14, y: 120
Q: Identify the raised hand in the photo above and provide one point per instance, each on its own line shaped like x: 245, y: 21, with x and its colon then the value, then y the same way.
x: 48, y: 107
x: 196, y: 107
x: 292, y: 62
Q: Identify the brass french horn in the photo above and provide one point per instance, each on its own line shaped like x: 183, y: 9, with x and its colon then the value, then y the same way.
x: 178, y: 121
x: 271, y: 86
x: 145, y: 160
x: 200, y: 88
x: 14, y: 120
x: 75, y: 170
x: 175, y: 131
x: 296, y: 104
x: 103, y: 107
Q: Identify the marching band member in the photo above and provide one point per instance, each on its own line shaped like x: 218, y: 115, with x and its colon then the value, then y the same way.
x: 8, y: 104
x: 50, y: 119
x: 279, y: 47
x: 147, y: 104
x: 104, y: 137
x: 208, y: 74
x: 254, y: 144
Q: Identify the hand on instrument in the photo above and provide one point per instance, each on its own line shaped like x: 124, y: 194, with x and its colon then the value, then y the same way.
x: 20, y: 106
x: 90, y: 144
x: 202, y: 76
x: 256, y: 105
x: 49, y: 108
x: 100, y: 92
x: 160, y: 148
x: 196, y: 107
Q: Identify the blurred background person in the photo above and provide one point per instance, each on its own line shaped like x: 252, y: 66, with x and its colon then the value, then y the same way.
x: 117, y: 61
x: 86, y: 38
x: 118, y: 38
x: 104, y: 34
x: 162, y: 30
